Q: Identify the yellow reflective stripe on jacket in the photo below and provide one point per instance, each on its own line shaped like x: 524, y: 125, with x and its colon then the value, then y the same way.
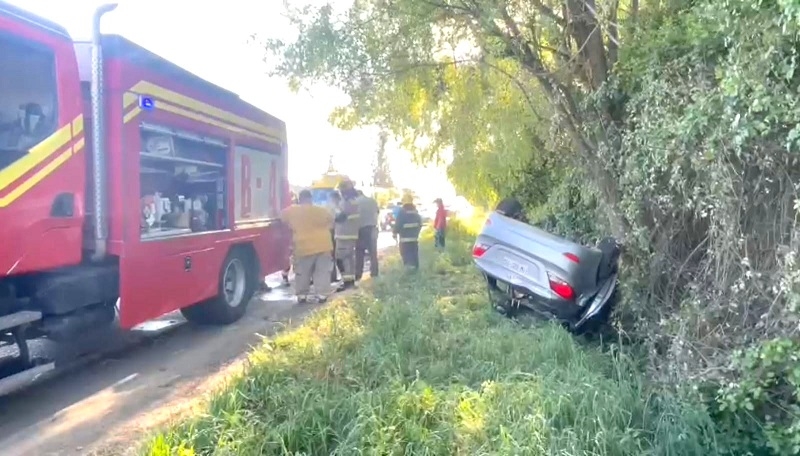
x: 348, y: 277
x: 409, y: 239
x: 346, y: 237
x: 353, y: 216
x: 410, y: 225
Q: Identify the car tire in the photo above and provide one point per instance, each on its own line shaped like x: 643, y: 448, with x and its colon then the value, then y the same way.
x: 599, y: 324
x: 611, y: 250
x: 236, y: 287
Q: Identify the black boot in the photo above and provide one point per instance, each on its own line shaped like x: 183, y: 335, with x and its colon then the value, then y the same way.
x: 346, y: 285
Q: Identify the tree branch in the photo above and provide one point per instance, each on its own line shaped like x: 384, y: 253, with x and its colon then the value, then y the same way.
x: 613, y: 35
x: 548, y: 12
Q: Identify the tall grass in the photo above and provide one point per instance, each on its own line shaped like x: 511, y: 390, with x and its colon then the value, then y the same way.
x: 420, y: 365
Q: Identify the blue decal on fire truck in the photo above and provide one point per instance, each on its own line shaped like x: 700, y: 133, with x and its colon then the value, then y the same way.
x: 146, y: 103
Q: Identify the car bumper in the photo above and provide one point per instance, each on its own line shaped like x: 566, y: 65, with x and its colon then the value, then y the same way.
x: 551, y: 308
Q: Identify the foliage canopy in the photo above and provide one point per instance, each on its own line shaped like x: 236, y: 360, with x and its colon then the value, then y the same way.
x: 467, y: 78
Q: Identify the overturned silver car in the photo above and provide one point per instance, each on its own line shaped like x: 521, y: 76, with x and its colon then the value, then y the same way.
x: 528, y: 268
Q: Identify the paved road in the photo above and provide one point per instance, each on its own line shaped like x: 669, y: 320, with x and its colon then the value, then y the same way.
x: 105, y: 405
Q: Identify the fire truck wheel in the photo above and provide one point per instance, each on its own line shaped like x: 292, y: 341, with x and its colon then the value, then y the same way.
x: 236, y: 287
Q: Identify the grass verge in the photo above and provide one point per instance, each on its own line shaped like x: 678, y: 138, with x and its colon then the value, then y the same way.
x: 419, y: 364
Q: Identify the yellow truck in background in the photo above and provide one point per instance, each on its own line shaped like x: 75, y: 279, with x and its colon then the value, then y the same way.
x: 325, y: 185
x: 329, y: 182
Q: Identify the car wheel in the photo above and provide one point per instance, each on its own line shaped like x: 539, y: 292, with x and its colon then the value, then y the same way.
x: 599, y: 324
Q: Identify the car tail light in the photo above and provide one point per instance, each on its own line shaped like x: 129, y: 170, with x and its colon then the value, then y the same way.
x: 572, y: 257
x: 561, y: 287
x: 479, y: 249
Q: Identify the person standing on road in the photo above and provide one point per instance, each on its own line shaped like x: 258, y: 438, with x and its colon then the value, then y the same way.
x: 346, y: 234
x: 285, y: 273
x: 311, y: 244
x: 406, y: 231
x: 440, y: 224
x: 367, y: 235
x: 334, y: 206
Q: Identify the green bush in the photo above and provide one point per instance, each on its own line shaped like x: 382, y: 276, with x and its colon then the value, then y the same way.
x: 760, y: 409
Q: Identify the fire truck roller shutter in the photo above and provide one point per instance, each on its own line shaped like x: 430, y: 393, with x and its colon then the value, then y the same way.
x: 238, y: 280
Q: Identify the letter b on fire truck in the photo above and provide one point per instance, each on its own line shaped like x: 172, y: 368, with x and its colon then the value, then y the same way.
x: 257, y: 182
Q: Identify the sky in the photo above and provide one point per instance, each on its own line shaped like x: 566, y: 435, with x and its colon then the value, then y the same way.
x: 212, y: 39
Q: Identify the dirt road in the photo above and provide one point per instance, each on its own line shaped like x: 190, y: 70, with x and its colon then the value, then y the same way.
x: 107, y: 406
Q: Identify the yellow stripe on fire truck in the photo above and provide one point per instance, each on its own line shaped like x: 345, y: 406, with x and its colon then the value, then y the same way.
x: 169, y: 99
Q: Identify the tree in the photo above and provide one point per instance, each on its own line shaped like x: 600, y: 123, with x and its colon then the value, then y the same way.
x: 521, y: 90
x: 409, y: 192
x: 381, y: 176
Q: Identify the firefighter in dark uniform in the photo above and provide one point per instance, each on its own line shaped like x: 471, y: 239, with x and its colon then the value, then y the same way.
x: 346, y: 234
x: 406, y: 231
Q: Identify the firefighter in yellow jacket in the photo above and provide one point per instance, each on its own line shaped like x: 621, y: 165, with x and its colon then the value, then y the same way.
x: 346, y: 234
x: 312, y: 246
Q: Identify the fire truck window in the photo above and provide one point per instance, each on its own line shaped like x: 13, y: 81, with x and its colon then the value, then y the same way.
x: 28, y: 105
x: 257, y: 183
x: 183, y: 185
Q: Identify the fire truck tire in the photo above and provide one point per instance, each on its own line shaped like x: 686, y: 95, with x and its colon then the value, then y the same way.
x: 236, y: 287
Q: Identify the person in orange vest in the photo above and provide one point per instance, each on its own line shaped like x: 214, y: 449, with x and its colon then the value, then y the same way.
x: 311, y: 243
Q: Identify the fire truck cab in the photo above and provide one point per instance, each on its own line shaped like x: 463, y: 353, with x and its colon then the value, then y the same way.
x: 129, y: 188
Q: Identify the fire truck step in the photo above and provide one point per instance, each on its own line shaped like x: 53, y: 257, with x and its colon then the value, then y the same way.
x: 19, y: 318
x: 24, y: 378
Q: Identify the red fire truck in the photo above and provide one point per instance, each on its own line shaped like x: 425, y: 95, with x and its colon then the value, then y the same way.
x: 129, y: 188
